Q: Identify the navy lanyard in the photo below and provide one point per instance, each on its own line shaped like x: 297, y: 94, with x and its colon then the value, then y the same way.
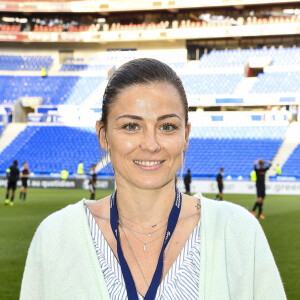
x: 129, y: 282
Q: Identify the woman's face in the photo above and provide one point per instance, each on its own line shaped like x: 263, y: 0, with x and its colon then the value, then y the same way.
x: 146, y: 135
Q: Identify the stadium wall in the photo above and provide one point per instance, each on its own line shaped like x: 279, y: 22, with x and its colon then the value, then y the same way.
x: 51, y: 48
x: 203, y: 186
x: 54, y: 183
x: 243, y: 187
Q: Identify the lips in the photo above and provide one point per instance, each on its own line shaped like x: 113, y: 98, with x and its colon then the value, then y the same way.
x: 148, y: 163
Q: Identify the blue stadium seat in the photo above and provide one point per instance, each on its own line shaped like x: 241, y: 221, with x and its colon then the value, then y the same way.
x: 277, y: 82
x: 210, y: 84
x: 25, y: 63
x: 291, y: 166
x: 83, y: 67
x: 49, y: 149
x: 53, y: 89
x: 238, y: 58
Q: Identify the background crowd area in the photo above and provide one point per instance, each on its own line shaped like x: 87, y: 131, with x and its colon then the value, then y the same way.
x: 220, y: 16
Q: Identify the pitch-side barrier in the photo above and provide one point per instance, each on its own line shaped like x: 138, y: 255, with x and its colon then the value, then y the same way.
x: 203, y: 186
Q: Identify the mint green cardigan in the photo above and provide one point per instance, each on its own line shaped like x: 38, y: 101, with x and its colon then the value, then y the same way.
x: 236, y: 261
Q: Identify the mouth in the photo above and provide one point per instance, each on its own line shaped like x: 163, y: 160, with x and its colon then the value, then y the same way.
x: 148, y: 163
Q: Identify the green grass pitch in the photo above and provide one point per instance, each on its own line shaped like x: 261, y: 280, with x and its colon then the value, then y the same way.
x: 18, y: 224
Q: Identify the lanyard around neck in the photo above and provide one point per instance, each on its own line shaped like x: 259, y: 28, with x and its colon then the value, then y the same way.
x: 129, y: 282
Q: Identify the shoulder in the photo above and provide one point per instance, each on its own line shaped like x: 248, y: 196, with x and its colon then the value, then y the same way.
x: 60, y: 220
x: 227, y: 215
x: 100, y: 208
x: 225, y: 225
x: 191, y: 207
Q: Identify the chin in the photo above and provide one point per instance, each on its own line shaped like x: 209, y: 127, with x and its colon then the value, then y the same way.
x: 151, y: 184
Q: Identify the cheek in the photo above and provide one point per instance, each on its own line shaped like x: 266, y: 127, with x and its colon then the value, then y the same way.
x: 123, y: 145
x: 175, y: 145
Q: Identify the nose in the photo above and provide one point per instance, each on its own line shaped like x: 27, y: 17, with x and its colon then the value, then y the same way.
x: 149, y: 141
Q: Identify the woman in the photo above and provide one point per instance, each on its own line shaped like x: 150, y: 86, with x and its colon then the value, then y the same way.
x: 147, y: 239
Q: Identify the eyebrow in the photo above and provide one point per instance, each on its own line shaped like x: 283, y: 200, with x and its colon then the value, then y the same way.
x: 134, y: 117
x: 168, y: 116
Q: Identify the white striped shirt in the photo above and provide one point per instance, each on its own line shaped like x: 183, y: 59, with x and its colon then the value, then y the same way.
x: 181, y: 281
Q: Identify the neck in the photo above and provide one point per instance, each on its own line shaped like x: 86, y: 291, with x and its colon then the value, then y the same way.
x: 145, y: 206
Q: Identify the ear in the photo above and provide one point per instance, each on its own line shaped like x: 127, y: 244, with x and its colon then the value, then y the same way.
x: 187, y: 134
x: 100, y: 129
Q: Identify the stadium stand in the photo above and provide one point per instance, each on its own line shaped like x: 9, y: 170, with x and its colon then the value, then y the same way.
x: 210, y: 84
x: 233, y: 147
x: 291, y: 166
x: 41, y: 28
x: 83, y: 67
x: 235, y: 155
x: 143, y: 26
x: 53, y: 89
x: 238, y: 58
x: 90, y: 23
x: 49, y: 149
x: 10, y: 28
x: 24, y: 62
x: 277, y: 82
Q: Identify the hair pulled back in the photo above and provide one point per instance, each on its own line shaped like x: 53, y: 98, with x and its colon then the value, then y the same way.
x: 140, y: 71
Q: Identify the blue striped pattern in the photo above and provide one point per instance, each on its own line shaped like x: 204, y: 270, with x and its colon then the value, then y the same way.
x: 181, y: 282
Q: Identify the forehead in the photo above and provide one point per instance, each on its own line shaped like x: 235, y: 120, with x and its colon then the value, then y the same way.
x: 148, y: 100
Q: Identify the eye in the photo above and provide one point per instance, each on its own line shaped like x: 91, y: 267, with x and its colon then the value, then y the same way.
x: 168, y: 127
x: 131, y: 126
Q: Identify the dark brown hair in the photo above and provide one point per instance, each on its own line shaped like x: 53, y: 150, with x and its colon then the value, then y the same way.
x: 140, y: 71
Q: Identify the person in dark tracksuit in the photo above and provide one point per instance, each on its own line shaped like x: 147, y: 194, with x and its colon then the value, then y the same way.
x: 260, y: 185
x: 187, y: 179
x: 220, y: 182
x: 12, y: 174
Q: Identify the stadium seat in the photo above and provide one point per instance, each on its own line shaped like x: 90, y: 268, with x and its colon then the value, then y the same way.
x: 83, y: 67
x: 277, y: 82
x: 24, y: 62
x: 53, y: 89
x: 210, y: 84
x: 238, y: 58
x: 291, y: 166
x: 50, y: 149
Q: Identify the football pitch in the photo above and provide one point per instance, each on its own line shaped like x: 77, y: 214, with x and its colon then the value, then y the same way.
x: 18, y: 224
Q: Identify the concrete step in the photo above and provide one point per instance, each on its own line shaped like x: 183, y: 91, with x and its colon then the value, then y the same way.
x: 245, y: 86
x: 94, y: 99
x: 289, y: 144
x: 10, y: 132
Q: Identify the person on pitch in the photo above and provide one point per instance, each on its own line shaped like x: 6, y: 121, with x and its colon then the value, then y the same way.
x: 147, y: 240
x: 12, y: 174
x: 93, y: 182
x: 220, y: 182
x: 24, y: 178
x: 260, y: 185
x: 187, y: 179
